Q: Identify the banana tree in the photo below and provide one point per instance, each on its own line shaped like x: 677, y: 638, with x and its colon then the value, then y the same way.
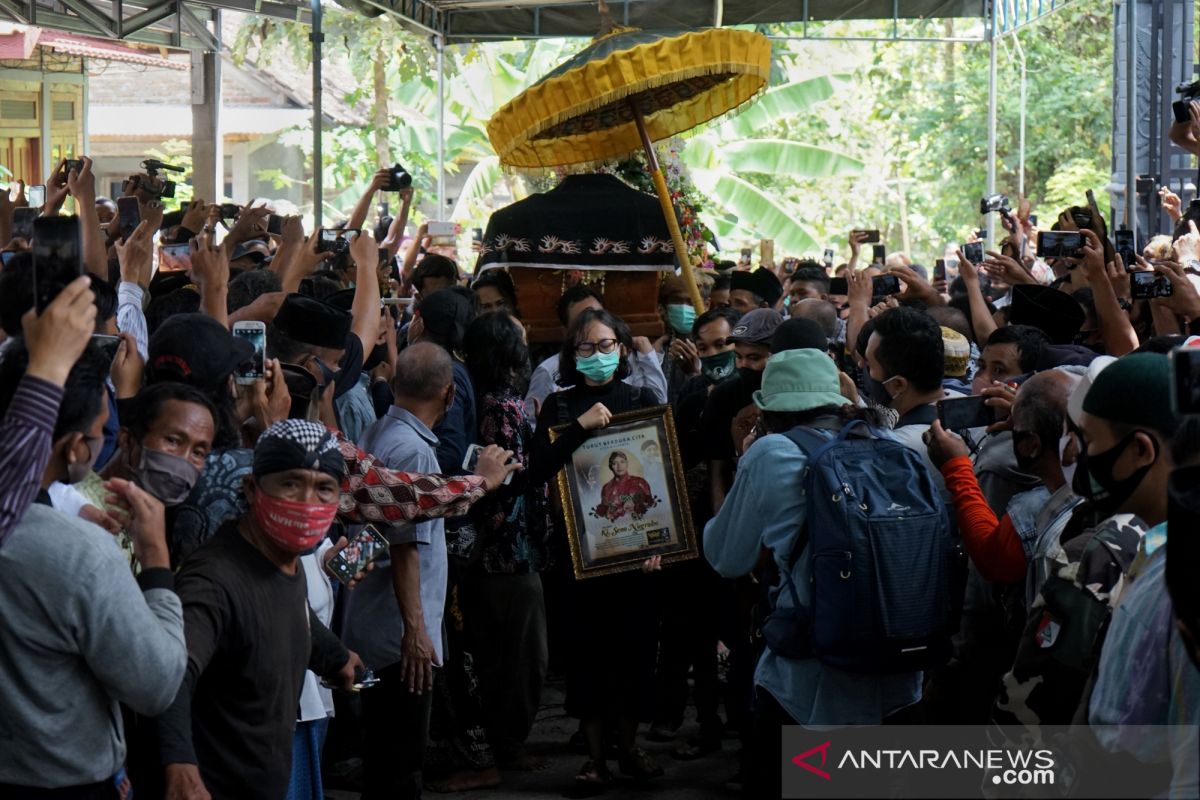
x: 721, y: 158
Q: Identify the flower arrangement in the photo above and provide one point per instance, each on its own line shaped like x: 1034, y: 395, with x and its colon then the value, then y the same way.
x: 635, y: 504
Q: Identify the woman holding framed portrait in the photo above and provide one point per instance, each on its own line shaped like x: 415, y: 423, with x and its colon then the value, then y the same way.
x: 614, y: 618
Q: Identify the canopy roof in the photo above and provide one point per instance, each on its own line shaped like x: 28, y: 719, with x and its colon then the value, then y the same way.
x: 473, y: 20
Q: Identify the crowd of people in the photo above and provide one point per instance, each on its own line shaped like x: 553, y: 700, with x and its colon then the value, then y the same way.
x: 922, y: 495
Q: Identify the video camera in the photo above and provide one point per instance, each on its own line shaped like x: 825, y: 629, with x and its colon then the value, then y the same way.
x: 399, y: 180
x: 1187, y: 92
x: 151, y: 183
x: 994, y: 202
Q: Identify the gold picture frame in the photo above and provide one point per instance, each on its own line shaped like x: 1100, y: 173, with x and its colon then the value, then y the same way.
x: 619, y: 513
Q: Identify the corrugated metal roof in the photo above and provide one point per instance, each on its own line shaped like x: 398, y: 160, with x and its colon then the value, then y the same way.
x: 465, y: 20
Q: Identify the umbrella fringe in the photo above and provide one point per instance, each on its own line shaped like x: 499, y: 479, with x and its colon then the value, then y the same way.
x: 584, y: 167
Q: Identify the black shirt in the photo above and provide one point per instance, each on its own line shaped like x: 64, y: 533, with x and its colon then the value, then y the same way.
x: 724, y: 402
x: 247, y: 625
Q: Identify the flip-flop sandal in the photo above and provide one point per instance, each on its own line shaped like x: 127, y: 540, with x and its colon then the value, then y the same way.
x: 594, y: 775
x: 638, y: 764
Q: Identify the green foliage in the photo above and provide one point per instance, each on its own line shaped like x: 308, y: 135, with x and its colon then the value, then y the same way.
x: 900, y: 125
x: 916, y: 115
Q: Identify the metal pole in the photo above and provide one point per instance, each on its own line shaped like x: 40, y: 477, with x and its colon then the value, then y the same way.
x: 1021, y: 144
x: 317, y: 37
x: 991, y: 119
x: 440, y: 43
x: 668, y: 209
x: 1131, y: 118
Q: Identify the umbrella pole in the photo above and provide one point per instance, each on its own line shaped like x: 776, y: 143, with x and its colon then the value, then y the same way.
x: 668, y: 209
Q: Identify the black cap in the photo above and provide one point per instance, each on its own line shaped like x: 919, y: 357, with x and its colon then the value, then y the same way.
x: 756, y: 327
x: 761, y: 282
x: 1055, y: 313
x: 312, y: 321
x: 195, y: 349
x: 798, y: 333
x: 1064, y: 355
x: 446, y: 314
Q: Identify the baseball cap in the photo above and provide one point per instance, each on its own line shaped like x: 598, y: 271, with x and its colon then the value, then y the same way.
x: 195, y: 349
x: 756, y: 327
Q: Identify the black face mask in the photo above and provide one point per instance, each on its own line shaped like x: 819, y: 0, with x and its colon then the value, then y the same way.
x: 751, y: 378
x: 1094, y: 476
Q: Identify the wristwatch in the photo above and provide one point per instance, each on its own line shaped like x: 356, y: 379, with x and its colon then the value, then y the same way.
x: 1192, y: 265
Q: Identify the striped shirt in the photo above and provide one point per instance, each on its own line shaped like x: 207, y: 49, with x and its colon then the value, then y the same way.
x: 25, y: 440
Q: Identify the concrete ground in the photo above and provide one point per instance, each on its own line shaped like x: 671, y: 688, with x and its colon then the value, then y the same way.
x: 684, y: 780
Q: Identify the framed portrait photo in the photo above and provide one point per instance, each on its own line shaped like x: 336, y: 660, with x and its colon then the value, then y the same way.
x: 623, y: 495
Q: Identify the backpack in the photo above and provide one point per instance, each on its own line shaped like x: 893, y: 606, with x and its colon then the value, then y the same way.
x: 1065, y: 629
x: 888, y: 572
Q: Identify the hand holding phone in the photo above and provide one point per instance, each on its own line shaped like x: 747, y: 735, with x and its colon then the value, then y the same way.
x: 355, y: 556
x: 471, y: 460
x: 129, y: 216
x: 973, y: 252
x: 964, y: 413
x: 255, y: 369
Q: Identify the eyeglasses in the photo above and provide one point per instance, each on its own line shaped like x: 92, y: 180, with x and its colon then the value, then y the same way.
x: 606, y: 346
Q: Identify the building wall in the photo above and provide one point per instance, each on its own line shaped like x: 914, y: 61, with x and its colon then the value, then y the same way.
x: 42, y: 113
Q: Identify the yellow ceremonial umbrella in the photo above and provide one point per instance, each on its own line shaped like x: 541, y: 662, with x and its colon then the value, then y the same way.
x: 627, y: 89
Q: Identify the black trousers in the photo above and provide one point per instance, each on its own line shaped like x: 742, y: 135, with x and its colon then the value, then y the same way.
x: 395, y: 735
x: 688, y: 638
x: 762, y: 777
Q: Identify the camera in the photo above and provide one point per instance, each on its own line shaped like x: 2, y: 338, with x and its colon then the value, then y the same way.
x: 994, y: 202
x: 336, y: 241
x: 399, y: 180
x: 1187, y: 92
x: 152, y: 183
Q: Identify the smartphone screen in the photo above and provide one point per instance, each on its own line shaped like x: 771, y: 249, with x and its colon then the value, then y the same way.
x: 839, y: 286
x: 882, y: 285
x: 107, y: 344
x: 1059, y: 244
x: 939, y: 270
x: 129, y: 214
x: 57, y: 250
x: 973, y: 252
x: 746, y: 254
x: 964, y: 413
x: 366, y: 546
x: 1125, y: 246
x: 477, y: 234
x: 275, y: 224
x: 828, y: 258
x: 1185, y: 380
x: 1148, y: 285
x: 36, y: 195
x: 871, y: 237
x: 879, y: 253
x: 22, y: 223
x: 255, y: 368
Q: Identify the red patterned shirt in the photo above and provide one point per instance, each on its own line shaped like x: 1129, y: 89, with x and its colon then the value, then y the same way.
x: 373, y: 493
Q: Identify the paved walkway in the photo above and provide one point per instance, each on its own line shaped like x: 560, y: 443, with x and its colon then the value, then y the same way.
x: 684, y: 780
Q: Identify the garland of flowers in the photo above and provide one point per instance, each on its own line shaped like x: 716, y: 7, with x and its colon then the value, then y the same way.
x: 634, y: 172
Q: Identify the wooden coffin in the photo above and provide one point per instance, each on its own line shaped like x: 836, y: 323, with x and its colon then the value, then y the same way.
x: 631, y: 295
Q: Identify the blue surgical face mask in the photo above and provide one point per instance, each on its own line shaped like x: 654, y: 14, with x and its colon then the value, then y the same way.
x: 598, y: 367
x: 680, y: 317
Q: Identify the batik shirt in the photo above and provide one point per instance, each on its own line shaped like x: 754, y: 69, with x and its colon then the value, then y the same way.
x: 513, y: 522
